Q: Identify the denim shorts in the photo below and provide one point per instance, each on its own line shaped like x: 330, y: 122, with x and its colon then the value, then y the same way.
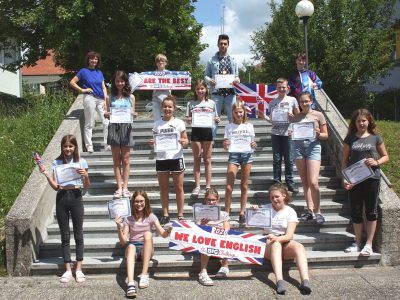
x: 306, y: 149
x: 139, y: 248
x: 240, y: 158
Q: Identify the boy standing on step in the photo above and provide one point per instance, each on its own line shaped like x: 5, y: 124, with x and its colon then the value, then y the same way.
x: 282, y: 108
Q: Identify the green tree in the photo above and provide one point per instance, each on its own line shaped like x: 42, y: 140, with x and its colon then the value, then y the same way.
x: 251, y: 73
x: 350, y: 43
x: 128, y: 33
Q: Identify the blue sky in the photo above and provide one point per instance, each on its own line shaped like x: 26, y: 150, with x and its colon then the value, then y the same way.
x: 242, y: 18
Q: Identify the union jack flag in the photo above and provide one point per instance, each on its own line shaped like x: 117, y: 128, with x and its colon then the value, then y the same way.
x: 256, y: 96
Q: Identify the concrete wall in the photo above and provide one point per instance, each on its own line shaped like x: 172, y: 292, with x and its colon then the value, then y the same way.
x: 387, y: 240
x: 33, y: 210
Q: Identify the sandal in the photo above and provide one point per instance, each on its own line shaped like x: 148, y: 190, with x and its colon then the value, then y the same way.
x: 196, y: 191
x: 79, y: 276
x: 126, y: 193
x: 66, y: 277
x: 131, y: 291
x: 181, y: 218
x: 366, y: 251
x: 118, y: 194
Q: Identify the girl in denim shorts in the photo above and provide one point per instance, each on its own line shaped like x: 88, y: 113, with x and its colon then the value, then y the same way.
x: 239, y: 141
x: 307, y: 156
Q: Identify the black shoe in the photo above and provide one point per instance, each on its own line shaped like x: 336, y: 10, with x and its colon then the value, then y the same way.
x: 280, y: 287
x: 164, y: 220
x: 305, y: 287
x: 292, y: 188
x: 242, y: 219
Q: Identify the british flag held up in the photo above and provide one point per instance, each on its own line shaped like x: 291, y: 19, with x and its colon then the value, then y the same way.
x: 256, y: 96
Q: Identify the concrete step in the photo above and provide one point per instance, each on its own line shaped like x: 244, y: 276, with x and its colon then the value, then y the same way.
x: 190, y: 263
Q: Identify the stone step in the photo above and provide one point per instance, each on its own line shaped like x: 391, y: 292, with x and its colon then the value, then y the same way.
x: 190, y: 263
x: 95, y: 247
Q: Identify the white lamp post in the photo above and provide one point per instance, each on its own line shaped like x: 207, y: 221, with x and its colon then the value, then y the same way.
x: 304, y: 10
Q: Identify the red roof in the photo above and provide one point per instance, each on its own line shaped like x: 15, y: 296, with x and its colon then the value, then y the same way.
x: 44, y: 67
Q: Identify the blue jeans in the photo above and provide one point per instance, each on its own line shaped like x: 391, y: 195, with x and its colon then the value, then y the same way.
x: 226, y: 102
x: 281, y: 146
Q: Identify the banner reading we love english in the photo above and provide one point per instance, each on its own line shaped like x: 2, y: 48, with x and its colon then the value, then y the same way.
x: 211, y: 241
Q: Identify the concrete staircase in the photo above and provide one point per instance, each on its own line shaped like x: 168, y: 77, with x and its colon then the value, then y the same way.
x: 103, y: 254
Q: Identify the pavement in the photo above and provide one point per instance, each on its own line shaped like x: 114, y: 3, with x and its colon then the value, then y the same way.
x: 346, y: 283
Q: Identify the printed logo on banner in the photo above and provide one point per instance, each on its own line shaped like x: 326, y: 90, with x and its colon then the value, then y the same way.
x: 211, y: 241
x: 163, y: 80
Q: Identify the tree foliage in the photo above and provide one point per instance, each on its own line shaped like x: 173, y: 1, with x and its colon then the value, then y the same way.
x: 350, y: 43
x: 127, y: 33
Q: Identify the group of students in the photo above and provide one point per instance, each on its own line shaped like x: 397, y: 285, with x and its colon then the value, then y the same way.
x: 362, y: 141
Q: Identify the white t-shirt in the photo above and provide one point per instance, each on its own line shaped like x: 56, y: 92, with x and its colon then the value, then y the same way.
x: 223, y: 217
x: 287, y: 102
x: 233, y: 129
x: 280, y: 219
x: 202, y: 106
x: 176, y: 126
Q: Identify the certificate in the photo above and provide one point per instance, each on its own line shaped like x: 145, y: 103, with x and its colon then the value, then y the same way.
x: 135, y: 80
x: 67, y: 172
x: 120, y: 207
x: 120, y: 115
x: 165, y: 142
x: 240, y: 143
x: 303, y: 130
x: 357, y: 172
x: 280, y: 115
x: 260, y: 217
x: 224, y: 81
x: 209, y: 212
x: 204, y: 119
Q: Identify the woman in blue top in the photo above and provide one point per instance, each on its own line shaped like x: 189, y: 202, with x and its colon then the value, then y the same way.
x: 95, y: 93
x: 69, y: 202
x: 119, y: 134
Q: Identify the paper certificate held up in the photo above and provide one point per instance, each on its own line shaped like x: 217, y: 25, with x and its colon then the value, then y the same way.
x: 209, y: 212
x: 67, y: 172
x: 280, y: 115
x: 240, y: 143
x: 303, y: 131
x: 119, y: 207
x: 224, y: 81
x: 165, y: 142
x: 357, y: 172
x: 260, y: 217
x: 120, y: 115
x: 203, y: 119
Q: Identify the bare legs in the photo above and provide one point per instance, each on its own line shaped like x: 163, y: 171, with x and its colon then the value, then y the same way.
x: 207, y: 149
x: 308, y: 171
x: 163, y: 180
x: 230, y: 181
x: 204, y: 259
x: 120, y: 157
x: 130, y: 254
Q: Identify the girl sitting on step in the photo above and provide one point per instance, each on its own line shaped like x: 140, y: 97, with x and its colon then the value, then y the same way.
x: 119, y: 134
x: 171, y: 134
x: 212, y: 198
x: 135, y: 233
x: 69, y: 202
x: 280, y: 243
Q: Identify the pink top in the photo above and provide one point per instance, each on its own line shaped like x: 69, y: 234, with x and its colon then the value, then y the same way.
x: 137, y: 229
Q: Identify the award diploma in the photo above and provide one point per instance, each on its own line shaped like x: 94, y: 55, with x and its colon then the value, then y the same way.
x: 209, y: 212
x: 165, y: 141
x: 224, y: 81
x: 120, y: 207
x: 120, y: 115
x: 357, y: 172
x: 240, y: 144
x: 303, y: 130
x: 260, y: 217
x: 280, y: 115
x: 67, y: 172
x: 204, y: 119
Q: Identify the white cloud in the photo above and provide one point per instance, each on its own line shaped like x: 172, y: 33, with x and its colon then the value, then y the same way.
x: 242, y: 18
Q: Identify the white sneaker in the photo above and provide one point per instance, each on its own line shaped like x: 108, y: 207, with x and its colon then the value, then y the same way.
x: 144, y: 281
x: 90, y: 149
x: 205, y: 280
x: 222, y: 273
x: 353, y: 248
x: 107, y: 148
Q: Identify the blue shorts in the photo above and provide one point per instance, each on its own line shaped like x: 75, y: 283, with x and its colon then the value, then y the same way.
x: 306, y: 149
x: 240, y: 158
x: 139, y: 249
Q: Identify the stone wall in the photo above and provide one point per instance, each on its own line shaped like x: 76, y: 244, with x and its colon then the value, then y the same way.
x: 388, y: 230
x: 33, y: 210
